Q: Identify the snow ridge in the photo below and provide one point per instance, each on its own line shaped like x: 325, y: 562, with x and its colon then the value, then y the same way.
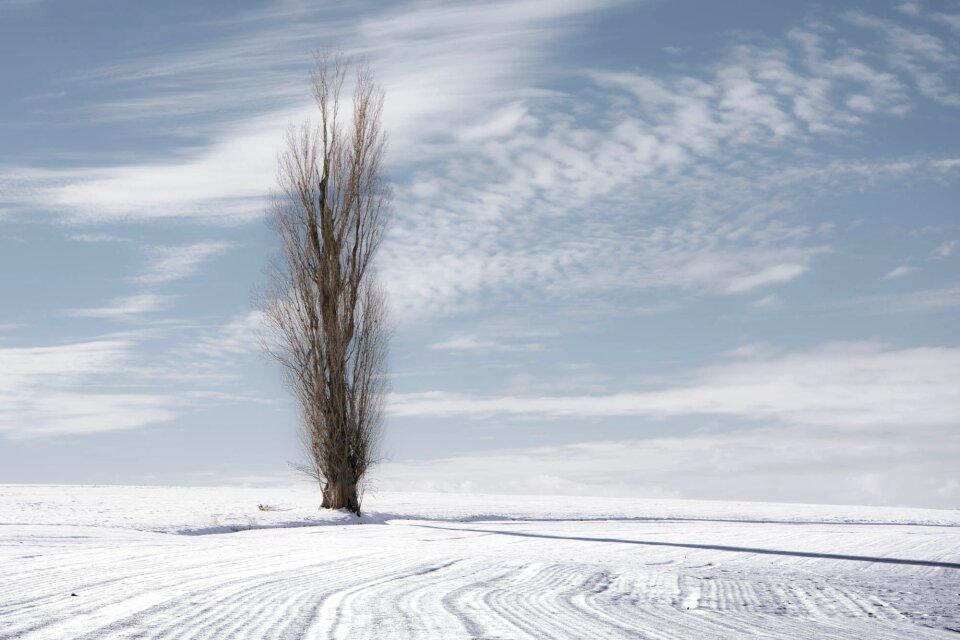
x: 544, y: 577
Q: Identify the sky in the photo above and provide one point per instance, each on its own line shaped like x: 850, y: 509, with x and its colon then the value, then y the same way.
x: 654, y: 249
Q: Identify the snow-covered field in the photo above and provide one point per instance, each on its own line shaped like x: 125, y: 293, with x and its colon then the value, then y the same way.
x: 174, y: 562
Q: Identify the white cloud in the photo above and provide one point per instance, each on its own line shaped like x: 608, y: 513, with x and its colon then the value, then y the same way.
x: 227, y: 179
x: 124, y: 308
x: 663, y: 150
x: 755, y: 350
x: 762, y: 464
x: 21, y: 365
x: 627, y: 185
x: 454, y: 243
x: 909, y: 8
x: 503, y: 123
x: 952, y: 20
x: 98, y: 237
x: 926, y: 58
x: 180, y: 261
x: 240, y: 335
x: 775, y: 274
x: 945, y: 250
x: 914, y: 301
x: 842, y: 385
x: 477, y: 344
x: 900, y: 271
x: 227, y: 182
x: 47, y: 391
x: 464, y: 343
x: 771, y: 301
x: 115, y: 383
x: 56, y: 414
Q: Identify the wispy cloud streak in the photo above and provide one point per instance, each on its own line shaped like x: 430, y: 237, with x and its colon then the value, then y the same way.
x: 128, y: 308
x: 167, y: 264
x: 858, y: 385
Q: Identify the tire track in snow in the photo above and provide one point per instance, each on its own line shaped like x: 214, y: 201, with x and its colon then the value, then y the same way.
x: 386, y: 581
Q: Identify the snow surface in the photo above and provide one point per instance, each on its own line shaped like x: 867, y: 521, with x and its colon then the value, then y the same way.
x: 199, y: 562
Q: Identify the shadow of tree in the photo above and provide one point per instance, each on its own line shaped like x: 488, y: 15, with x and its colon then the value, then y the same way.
x: 712, y: 547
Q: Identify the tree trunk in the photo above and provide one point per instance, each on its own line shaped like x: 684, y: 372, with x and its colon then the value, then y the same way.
x: 341, y: 495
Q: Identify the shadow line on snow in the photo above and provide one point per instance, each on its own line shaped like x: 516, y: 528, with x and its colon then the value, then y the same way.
x: 376, y: 517
x: 655, y: 519
x: 713, y: 547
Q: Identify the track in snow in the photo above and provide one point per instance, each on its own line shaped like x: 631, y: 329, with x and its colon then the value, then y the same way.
x: 545, y: 579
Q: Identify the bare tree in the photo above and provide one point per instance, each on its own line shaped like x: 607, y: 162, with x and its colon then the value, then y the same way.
x: 326, y: 311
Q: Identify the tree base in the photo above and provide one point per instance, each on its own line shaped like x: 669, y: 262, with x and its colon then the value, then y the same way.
x: 340, y: 495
